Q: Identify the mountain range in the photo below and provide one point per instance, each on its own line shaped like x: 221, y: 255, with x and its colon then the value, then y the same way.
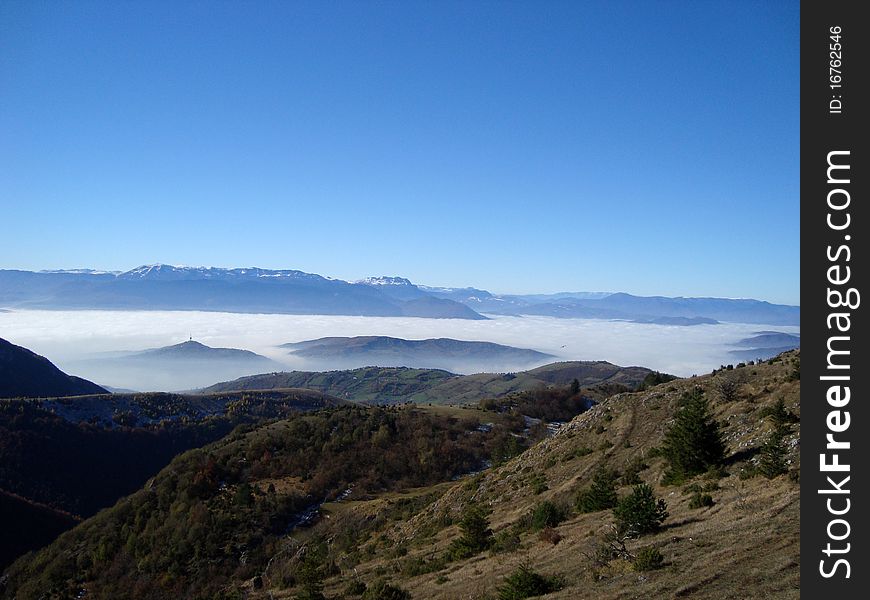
x: 250, y: 290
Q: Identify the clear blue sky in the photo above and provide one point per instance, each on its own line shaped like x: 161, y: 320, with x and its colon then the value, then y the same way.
x: 649, y: 147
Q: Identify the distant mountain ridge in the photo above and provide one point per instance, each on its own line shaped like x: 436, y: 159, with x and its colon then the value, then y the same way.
x: 26, y: 374
x: 189, y: 363
x: 392, y: 385
x: 444, y: 353
x: 766, y: 344
x: 197, y: 350
x: 253, y: 289
x: 245, y: 290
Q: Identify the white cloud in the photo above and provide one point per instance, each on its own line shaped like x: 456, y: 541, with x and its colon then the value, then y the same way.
x: 68, y: 337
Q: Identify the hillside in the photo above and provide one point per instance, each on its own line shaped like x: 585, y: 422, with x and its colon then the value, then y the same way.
x: 399, y: 519
x: 26, y: 374
x: 440, y: 353
x: 66, y: 457
x: 28, y: 526
x: 399, y: 384
x: 746, y: 545
x: 238, y: 498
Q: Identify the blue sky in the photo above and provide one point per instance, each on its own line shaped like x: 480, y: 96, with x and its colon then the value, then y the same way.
x: 648, y: 147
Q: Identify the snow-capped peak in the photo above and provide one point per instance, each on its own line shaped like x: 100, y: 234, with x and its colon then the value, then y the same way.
x: 385, y: 280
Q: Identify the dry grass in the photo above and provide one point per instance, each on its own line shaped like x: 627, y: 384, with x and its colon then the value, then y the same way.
x: 745, y: 546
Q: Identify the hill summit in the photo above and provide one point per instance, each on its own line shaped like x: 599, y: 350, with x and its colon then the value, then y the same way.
x: 26, y: 374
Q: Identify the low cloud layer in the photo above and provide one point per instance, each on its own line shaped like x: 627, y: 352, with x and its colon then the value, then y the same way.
x: 78, y: 341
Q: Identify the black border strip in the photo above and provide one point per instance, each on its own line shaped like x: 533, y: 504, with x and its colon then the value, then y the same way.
x: 832, y: 121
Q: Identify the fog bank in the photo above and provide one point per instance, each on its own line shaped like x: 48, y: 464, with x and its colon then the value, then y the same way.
x: 78, y: 341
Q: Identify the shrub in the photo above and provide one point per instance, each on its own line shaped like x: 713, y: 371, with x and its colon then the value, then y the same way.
x: 526, y: 583
x: 381, y: 590
x: 631, y: 473
x: 727, y: 385
x: 779, y: 414
x: 601, y: 495
x: 640, y: 512
x: 647, y: 559
x: 355, y: 588
x: 548, y: 534
x: 653, y: 379
x: 505, y: 540
x: 700, y: 500
x: 546, y: 514
x: 538, y: 484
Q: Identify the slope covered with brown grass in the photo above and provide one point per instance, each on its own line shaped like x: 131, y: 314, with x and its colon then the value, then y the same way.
x: 744, y: 546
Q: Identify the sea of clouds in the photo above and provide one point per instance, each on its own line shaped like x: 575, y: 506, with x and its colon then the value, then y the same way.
x: 79, y: 341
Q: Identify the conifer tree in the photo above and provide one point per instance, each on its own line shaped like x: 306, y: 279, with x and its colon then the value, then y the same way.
x: 694, y: 442
x: 311, y: 575
x: 640, y: 512
x: 601, y: 495
x: 773, y: 453
x: 476, y: 534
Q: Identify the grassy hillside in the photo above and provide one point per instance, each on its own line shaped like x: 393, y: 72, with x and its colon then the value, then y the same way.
x: 388, y: 385
x: 227, y: 521
x: 746, y: 545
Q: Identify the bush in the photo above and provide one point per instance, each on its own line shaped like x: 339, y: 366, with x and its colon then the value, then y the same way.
x: 505, y: 540
x: 548, y: 534
x: 779, y: 414
x: 601, y: 495
x: 546, y: 514
x: 647, y: 559
x: 526, y: 583
x: 355, y: 588
x: 653, y: 379
x: 700, y: 500
x: 381, y: 590
x: 631, y: 473
x: 640, y: 512
x: 538, y: 484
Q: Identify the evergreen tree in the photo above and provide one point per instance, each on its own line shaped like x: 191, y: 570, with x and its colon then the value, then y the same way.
x: 640, y: 512
x: 694, y: 443
x: 311, y: 575
x: 575, y: 386
x: 476, y: 534
x: 601, y: 495
x: 773, y: 453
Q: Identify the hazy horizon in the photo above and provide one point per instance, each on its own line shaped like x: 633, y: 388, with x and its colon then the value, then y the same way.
x: 413, y: 280
x: 70, y: 338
